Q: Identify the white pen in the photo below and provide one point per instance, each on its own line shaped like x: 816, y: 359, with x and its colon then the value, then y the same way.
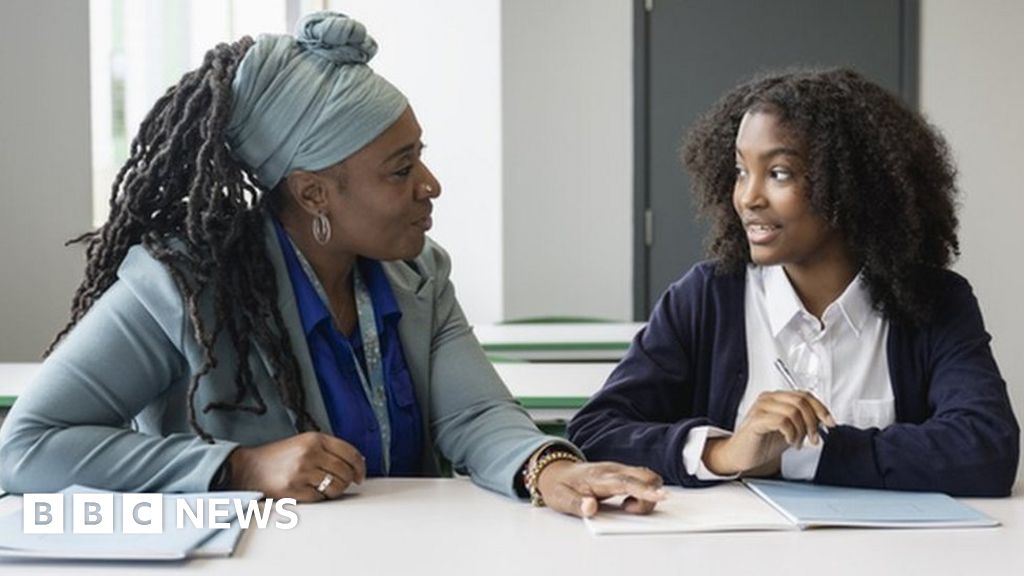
x: 787, y: 376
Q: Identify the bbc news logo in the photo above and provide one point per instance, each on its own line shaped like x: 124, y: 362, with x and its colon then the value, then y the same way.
x: 95, y: 513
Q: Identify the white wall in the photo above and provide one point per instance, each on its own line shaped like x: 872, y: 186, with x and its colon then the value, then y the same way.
x: 45, y: 192
x: 567, y: 203
x: 527, y: 110
x: 445, y: 57
x: 972, y: 88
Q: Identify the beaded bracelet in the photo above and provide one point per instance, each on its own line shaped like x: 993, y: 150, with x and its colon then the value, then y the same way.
x: 538, y: 462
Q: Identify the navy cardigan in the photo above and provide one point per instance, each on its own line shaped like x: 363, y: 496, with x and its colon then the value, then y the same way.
x: 955, y: 431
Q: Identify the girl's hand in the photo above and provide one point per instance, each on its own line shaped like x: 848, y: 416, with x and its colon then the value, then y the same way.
x: 776, y: 422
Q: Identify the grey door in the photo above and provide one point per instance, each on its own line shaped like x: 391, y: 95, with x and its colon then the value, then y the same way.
x: 689, y: 52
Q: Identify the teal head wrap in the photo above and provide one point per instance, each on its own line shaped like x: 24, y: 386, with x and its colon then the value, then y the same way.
x: 308, y: 101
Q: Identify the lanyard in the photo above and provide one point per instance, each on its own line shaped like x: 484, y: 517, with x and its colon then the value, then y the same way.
x: 373, y: 387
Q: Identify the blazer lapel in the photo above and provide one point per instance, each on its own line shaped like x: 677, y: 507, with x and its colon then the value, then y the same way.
x: 296, y: 336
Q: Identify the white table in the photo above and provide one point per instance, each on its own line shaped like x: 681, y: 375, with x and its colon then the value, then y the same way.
x: 14, y: 378
x: 417, y: 527
x: 558, y: 341
x: 553, y: 391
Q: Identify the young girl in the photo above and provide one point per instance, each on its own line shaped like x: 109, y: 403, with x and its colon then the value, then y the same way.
x: 827, y: 341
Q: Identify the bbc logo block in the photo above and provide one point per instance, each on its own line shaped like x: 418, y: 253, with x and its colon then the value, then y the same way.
x: 93, y: 513
x: 44, y: 514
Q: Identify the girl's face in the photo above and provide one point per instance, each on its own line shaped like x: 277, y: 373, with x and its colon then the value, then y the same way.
x: 771, y: 197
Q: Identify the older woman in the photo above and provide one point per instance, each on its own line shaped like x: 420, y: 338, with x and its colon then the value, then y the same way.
x: 264, y: 311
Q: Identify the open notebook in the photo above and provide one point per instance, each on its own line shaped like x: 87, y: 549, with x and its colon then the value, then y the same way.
x: 172, y: 544
x: 780, y: 505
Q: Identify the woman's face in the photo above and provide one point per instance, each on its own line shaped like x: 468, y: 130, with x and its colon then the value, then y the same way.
x: 379, y: 199
x: 771, y: 196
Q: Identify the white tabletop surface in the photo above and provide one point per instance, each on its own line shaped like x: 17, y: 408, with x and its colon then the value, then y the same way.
x: 415, y: 527
x: 558, y: 341
x: 558, y: 333
x: 14, y: 377
x: 554, y: 379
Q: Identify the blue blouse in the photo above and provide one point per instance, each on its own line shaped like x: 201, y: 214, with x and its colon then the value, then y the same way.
x: 351, y: 415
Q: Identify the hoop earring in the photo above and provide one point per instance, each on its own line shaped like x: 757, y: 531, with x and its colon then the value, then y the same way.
x: 321, y: 229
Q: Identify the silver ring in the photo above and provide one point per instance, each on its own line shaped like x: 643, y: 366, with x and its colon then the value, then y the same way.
x: 325, y: 484
x: 428, y: 188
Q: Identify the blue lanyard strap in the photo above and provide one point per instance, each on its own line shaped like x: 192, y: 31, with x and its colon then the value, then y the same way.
x: 374, y: 387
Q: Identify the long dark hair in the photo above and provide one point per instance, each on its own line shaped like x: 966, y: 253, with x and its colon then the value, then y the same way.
x: 197, y: 210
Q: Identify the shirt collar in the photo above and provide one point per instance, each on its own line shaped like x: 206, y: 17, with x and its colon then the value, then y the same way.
x: 312, y: 308
x: 853, y: 305
x: 779, y: 295
x: 384, y: 303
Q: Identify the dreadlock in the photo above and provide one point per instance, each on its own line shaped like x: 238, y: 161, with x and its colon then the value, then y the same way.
x: 183, y: 196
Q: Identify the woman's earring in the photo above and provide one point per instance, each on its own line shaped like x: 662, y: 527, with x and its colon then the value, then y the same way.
x: 321, y: 229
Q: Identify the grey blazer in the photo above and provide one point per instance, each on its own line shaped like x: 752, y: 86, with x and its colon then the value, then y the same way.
x: 109, y: 407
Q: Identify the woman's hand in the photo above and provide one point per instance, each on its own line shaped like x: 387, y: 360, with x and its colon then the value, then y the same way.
x: 576, y: 488
x: 296, y: 466
x: 776, y: 422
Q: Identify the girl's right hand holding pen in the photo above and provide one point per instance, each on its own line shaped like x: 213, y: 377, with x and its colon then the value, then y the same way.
x: 777, y: 421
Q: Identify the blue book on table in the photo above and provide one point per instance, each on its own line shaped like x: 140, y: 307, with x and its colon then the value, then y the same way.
x: 814, y: 505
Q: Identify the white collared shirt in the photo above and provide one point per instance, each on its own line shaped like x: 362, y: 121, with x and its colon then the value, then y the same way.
x: 842, y: 360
